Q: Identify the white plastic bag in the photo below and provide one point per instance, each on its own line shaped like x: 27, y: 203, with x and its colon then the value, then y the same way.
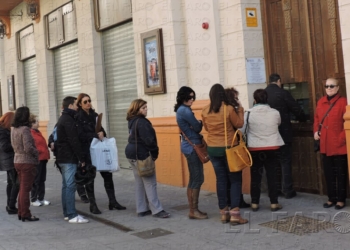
x: 104, y: 154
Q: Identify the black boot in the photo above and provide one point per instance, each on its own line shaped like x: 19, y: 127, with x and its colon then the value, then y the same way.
x: 109, y: 186
x: 93, y: 206
x: 91, y: 194
x: 242, y: 203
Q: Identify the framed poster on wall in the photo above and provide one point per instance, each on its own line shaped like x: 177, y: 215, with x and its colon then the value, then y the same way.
x: 11, y: 92
x: 153, y: 62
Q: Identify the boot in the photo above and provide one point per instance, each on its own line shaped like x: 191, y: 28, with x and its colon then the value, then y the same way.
x: 91, y: 194
x: 189, y: 197
x: 93, y: 206
x: 275, y: 207
x: 113, y: 203
x: 225, y: 215
x: 242, y: 203
x: 194, y: 213
x: 236, y: 218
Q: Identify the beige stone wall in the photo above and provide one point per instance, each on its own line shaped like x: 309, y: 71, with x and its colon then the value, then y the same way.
x: 344, y: 10
x: 193, y: 56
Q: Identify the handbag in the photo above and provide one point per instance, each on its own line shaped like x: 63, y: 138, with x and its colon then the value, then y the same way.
x: 201, y: 149
x: 238, y: 156
x: 317, y: 142
x: 145, y: 168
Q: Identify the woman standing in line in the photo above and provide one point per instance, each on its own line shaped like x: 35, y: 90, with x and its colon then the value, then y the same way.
x: 191, y: 127
x: 26, y: 159
x: 213, y: 121
x: 140, y: 129
x: 332, y: 143
x: 6, y: 162
x: 38, y: 190
x: 264, y: 142
x: 86, y: 120
x: 232, y: 97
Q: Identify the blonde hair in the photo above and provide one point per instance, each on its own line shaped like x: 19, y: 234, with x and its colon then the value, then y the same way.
x: 33, y: 118
x: 335, y: 81
x: 135, y: 108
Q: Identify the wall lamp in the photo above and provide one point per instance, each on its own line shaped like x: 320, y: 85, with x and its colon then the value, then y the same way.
x: 32, y: 9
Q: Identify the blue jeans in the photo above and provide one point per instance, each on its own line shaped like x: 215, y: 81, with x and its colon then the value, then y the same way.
x: 228, y: 184
x: 68, y: 189
x: 195, y: 168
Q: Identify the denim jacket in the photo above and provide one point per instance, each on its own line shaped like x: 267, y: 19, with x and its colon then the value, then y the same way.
x: 190, y: 126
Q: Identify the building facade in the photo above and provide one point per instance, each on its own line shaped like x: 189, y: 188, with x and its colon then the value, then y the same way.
x: 120, y: 50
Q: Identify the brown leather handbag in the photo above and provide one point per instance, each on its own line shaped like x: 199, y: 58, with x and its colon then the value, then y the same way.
x: 201, y: 149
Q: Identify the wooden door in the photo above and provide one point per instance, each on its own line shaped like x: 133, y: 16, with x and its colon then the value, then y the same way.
x: 302, y: 44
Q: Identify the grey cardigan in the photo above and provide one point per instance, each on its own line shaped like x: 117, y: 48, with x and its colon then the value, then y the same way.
x: 24, y: 146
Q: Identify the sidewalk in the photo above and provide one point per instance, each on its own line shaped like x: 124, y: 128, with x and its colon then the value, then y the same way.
x: 177, y: 232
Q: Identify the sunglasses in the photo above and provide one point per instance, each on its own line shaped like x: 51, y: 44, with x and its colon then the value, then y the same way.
x: 86, y: 101
x: 191, y: 97
x: 330, y: 86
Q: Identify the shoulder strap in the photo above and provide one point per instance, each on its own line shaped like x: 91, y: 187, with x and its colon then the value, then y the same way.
x: 324, y: 117
x: 225, y: 125
x: 136, y: 136
x: 186, y: 138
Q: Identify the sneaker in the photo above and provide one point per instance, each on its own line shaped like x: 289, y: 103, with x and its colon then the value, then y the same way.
x: 78, y: 219
x: 36, y: 203
x: 66, y: 218
x: 142, y: 214
x: 45, y: 202
x: 162, y: 214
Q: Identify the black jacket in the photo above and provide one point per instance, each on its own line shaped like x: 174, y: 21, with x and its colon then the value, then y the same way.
x: 6, y: 151
x: 68, y: 145
x: 146, y: 139
x: 51, y: 140
x: 87, y: 130
x: 283, y: 101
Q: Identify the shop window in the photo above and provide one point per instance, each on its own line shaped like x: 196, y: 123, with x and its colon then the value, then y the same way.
x: 111, y: 12
x: 61, y: 26
x: 25, y: 43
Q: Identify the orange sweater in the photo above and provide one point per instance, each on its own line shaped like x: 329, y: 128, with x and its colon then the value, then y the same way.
x: 214, y: 124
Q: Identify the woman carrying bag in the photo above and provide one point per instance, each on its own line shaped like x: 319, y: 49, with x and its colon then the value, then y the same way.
x: 142, y: 145
x: 329, y: 129
x: 264, y: 142
x: 86, y: 120
x: 190, y: 130
x: 214, y: 122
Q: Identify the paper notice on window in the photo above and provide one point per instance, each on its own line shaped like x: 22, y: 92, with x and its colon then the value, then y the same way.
x: 255, y: 70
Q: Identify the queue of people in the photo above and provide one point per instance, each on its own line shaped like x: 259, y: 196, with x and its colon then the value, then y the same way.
x: 24, y: 153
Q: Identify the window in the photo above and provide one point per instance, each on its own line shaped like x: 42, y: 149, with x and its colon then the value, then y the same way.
x: 25, y: 43
x: 61, y: 26
x: 111, y: 12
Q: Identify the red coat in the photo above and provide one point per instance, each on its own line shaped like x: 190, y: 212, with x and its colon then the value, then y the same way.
x: 41, y: 145
x: 333, y: 140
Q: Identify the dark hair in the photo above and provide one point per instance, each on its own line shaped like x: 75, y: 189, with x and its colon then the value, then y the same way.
x: 274, y: 77
x: 183, y: 95
x: 68, y: 101
x: 6, y: 120
x: 232, y: 96
x: 135, y: 108
x: 22, y: 115
x: 217, y: 96
x: 80, y: 98
x: 260, y: 96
